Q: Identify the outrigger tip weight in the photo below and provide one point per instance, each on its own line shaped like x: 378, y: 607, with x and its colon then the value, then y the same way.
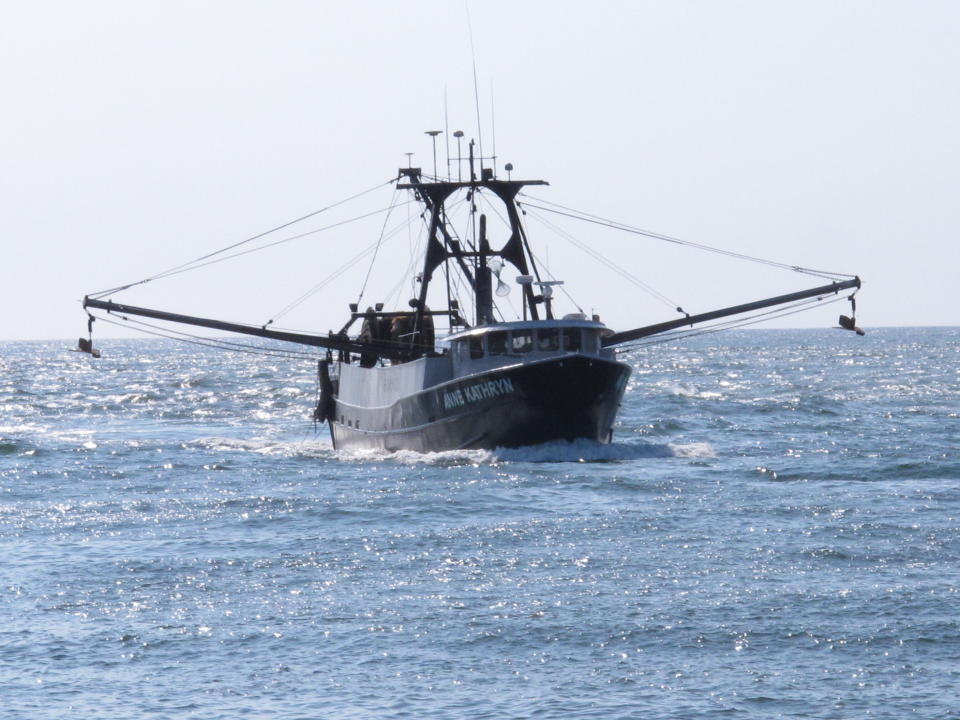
x: 86, y: 344
x: 850, y: 323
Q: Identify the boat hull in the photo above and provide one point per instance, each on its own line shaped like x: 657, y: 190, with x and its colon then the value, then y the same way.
x: 564, y: 398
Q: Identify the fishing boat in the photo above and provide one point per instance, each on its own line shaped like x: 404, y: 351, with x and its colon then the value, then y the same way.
x: 387, y: 381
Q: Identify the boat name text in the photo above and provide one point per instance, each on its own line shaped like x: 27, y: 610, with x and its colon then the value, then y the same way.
x: 473, y: 393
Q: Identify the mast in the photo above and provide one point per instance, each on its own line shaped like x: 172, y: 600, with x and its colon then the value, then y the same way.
x: 484, y: 285
x: 441, y: 246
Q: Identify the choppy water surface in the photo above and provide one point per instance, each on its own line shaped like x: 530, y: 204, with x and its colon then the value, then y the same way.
x: 774, y: 533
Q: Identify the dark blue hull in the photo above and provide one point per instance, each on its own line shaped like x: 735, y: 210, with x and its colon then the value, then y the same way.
x: 564, y: 398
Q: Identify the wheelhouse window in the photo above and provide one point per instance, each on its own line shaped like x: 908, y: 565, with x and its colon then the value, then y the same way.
x: 592, y: 341
x: 476, y: 347
x: 548, y: 339
x: 497, y: 343
x: 571, y: 339
x: 521, y: 341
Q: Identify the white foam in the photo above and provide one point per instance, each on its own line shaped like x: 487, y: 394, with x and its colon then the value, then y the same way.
x: 411, y: 457
x: 591, y: 451
x: 266, y: 446
x: 692, y: 450
x: 27, y: 427
x: 557, y: 451
x: 689, y: 390
x: 551, y: 452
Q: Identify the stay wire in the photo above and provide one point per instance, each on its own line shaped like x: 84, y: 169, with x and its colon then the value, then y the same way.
x: 393, y: 295
x: 222, y: 344
x: 597, y: 220
x: 337, y: 273
x: 170, y: 334
x: 563, y: 287
x: 414, y: 248
x: 253, y: 250
x: 543, y: 264
x: 803, y: 306
x: 793, y: 309
x: 626, y: 274
x: 183, y: 267
x: 383, y: 229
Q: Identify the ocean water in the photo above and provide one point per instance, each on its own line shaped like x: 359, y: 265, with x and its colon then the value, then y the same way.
x: 774, y: 533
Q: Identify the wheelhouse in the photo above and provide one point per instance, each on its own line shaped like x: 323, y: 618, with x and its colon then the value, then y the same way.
x: 510, y: 343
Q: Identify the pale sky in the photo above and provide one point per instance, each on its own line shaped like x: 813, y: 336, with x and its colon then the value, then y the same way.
x: 138, y: 135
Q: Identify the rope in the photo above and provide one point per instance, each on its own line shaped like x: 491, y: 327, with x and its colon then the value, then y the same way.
x: 252, y: 250
x: 383, y: 229
x: 596, y: 220
x: 338, y: 272
x: 650, y: 290
x: 793, y: 309
x: 563, y: 288
x: 170, y: 334
x: 193, y: 263
x: 392, y: 297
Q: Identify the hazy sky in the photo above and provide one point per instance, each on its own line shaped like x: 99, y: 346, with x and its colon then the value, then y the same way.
x: 138, y: 135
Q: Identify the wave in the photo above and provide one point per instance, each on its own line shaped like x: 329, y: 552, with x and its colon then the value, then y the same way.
x: 443, y: 458
x: 262, y: 446
x: 561, y: 451
x: 689, y: 390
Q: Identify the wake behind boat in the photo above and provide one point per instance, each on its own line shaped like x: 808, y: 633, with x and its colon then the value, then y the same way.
x: 491, y: 381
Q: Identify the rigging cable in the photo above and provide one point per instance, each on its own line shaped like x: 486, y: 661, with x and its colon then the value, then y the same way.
x: 562, y: 287
x: 597, y: 220
x: 459, y: 279
x: 792, y: 309
x: 170, y: 334
x: 383, y: 229
x: 623, y: 272
x: 337, y: 273
x: 393, y: 295
x: 222, y: 344
x: 476, y: 91
x: 190, y: 265
x: 256, y: 249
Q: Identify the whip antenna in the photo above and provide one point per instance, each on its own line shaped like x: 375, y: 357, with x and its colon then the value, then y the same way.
x: 476, y: 90
x: 493, y: 130
x: 446, y: 129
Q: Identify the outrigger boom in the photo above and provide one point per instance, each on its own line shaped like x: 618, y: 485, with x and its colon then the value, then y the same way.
x: 647, y: 331
x: 331, y: 341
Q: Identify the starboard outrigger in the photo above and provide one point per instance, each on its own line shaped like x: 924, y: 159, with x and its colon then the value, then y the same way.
x: 493, y: 383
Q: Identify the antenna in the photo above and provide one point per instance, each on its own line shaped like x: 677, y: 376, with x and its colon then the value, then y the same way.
x: 459, y: 136
x: 446, y: 129
x: 433, y: 136
x: 476, y: 91
x: 493, y: 130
